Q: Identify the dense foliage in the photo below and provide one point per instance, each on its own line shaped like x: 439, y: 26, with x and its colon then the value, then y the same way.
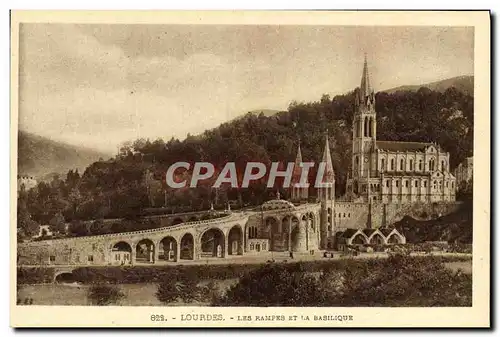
x: 103, y: 294
x: 118, y: 188
x: 399, y: 280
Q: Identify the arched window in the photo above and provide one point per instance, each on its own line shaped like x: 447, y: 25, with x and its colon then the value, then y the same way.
x: 382, y: 165
x: 401, y: 167
x: 431, y: 165
x: 392, y: 164
x: 420, y: 165
x: 416, y: 183
x: 371, y: 127
x: 397, y: 183
x: 411, y: 164
x: 442, y: 166
x: 425, y: 183
x: 406, y: 183
x: 366, y: 127
x: 387, y: 183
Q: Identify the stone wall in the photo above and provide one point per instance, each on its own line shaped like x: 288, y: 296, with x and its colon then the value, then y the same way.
x: 356, y: 215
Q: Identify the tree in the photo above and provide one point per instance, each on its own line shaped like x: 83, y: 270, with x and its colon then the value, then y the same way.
x: 57, y: 224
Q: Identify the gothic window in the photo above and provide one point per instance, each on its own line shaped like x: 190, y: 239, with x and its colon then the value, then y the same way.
x: 387, y: 183
x: 420, y: 165
x: 360, y: 126
x: 431, y: 165
x: 251, y: 246
x: 452, y: 184
x: 435, y: 184
x: 344, y: 215
x: 411, y: 164
x: 371, y: 127
x: 382, y: 164
x: 446, y: 184
x: 416, y: 183
x: 397, y: 183
x: 425, y: 183
x: 252, y: 232
x: 406, y: 183
x: 401, y: 166
x: 90, y: 258
x: 392, y: 164
x: 442, y: 166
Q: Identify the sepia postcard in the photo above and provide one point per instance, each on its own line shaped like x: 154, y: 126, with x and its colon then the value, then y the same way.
x: 250, y: 169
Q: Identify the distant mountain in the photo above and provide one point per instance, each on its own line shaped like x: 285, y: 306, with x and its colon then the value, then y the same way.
x: 42, y: 157
x: 464, y: 84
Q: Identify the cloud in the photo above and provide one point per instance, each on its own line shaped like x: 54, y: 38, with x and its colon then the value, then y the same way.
x: 100, y: 85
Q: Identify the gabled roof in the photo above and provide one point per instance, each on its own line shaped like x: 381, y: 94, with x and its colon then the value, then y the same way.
x: 402, y: 146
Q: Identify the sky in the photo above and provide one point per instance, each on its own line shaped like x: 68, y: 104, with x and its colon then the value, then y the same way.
x: 100, y: 85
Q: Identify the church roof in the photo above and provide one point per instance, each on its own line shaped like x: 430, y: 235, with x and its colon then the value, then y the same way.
x: 401, y: 146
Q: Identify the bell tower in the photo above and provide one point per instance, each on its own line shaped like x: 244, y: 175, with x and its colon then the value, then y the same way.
x: 364, y: 135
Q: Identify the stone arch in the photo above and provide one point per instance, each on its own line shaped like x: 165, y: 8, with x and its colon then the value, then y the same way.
x: 377, y: 239
x: 298, y: 235
x: 187, y: 247
x: 275, y: 230
x: 145, y: 251
x: 64, y: 277
x: 212, y: 243
x: 121, y: 253
x: 359, y: 239
x: 286, y: 225
x: 168, y: 249
x: 394, y: 238
x: 312, y: 221
x: 177, y: 221
x: 235, y: 240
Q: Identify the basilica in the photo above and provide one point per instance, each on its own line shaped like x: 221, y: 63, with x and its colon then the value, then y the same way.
x: 391, y: 171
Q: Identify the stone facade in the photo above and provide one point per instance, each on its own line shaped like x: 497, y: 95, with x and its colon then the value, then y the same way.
x: 394, y: 172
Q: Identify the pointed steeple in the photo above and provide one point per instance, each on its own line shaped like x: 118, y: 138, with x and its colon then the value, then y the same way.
x: 327, y: 158
x: 365, y: 88
x: 298, y: 159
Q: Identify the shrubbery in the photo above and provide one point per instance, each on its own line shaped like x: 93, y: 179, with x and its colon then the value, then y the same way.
x: 35, y: 275
x: 400, y: 280
x: 102, y: 294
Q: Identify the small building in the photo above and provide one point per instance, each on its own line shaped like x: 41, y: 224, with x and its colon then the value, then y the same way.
x: 377, y: 239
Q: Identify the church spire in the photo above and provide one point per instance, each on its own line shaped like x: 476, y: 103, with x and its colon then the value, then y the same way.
x: 327, y: 159
x: 365, y: 89
x: 298, y: 159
